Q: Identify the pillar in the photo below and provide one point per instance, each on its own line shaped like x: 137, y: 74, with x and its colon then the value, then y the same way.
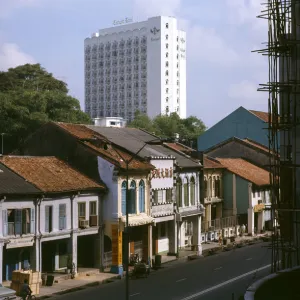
x: 1, y: 262
x: 260, y: 222
x: 250, y: 221
x: 213, y: 185
x: 199, y: 239
x: 150, y: 244
x: 172, y: 237
x: 117, y: 242
x: 56, y: 258
x: 34, y: 256
x: 74, y: 250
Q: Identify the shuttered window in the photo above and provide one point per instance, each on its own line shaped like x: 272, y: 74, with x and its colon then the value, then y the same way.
x: 62, y: 217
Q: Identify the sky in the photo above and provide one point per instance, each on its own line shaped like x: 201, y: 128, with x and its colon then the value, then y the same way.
x: 222, y: 71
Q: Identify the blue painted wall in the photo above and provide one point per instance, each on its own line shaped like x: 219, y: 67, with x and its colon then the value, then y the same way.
x: 241, y: 123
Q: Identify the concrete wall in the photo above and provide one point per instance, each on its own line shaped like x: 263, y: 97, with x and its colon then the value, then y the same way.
x: 240, y: 123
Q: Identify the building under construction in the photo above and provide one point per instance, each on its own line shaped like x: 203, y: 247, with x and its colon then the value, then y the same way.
x: 283, y: 52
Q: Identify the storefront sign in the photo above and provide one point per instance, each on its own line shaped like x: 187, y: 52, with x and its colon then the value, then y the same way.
x: 116, y: 242
x: 259, y: 207
x: 162, y: 173
x: 21, y: 242
x: 124, y: 21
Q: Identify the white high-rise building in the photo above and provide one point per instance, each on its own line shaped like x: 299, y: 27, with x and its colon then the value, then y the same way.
x: 136, y: 66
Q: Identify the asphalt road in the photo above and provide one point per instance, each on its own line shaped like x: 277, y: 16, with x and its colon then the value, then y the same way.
x: 197, y: 279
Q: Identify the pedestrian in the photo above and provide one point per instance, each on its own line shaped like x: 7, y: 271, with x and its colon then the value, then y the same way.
x: 220, y: 240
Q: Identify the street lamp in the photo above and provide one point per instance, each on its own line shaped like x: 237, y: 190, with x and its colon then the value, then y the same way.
x: 126, y: 230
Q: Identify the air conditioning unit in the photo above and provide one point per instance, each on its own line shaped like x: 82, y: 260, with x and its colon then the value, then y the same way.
x: 83, y: 223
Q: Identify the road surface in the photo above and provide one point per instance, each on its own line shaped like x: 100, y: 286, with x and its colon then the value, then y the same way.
x: 213, y: 277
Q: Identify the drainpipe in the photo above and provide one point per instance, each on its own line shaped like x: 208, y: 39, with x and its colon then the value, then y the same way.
x: 38, y: 205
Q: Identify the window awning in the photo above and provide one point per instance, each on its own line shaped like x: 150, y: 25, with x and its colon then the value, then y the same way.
x: 138, y: 220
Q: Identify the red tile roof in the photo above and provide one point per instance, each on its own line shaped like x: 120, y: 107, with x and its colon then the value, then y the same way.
x: 264, y: 116
x: 82, y: 132
x: 211, y: 163
x: 49, y: 174
x: 117, y: 157
x: 246, y: 170
x: 180, y: 147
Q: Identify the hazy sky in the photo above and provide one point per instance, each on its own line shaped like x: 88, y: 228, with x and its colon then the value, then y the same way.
x: 222, y: 73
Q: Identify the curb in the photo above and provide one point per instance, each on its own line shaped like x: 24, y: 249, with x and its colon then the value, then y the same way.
x: 80, y: 287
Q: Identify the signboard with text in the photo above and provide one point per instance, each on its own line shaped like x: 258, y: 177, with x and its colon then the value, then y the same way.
x: 162, y: 176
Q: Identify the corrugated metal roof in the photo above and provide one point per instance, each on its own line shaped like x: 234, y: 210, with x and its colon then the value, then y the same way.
x: 134, y: 139
x: 11, y: 183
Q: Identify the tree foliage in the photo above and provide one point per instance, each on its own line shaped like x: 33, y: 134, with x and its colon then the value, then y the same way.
x: 166, y: 126
x: 29, y: 97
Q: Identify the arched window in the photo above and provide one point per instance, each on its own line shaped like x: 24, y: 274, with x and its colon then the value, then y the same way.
x: 123, y: 197
x: 205, y: 188
x: 186, y: 192
x: 192, y: 191
x: 132, y: 198
x: 142, y: 196
x: 179, y: 192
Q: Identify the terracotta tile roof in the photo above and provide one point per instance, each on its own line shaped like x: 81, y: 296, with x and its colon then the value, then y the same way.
x: 211, y: 163
x: 49, y: 174
x: 179, y: 147
x: 78, y: 130
x: 82, y: 132
x: 264, y: 116
x: 116, y: 156
x: 246, y: 170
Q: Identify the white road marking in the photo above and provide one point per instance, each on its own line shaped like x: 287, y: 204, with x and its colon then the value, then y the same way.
x: 181, y: 279
x: 249, y: 258
x: 135, y: 294
x: 216, y: 269
x: 225, y: 283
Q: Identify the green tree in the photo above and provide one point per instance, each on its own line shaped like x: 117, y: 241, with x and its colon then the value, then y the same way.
x: 30, y: 97
x: 167, y: 126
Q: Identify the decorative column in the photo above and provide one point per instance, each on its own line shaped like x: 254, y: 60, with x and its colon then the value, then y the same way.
x: 116, y: 241
x: 213, y: 182
x: 221, y: 187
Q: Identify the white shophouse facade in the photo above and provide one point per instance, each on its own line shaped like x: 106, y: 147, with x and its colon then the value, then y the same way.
x: 46, y: 233
x: 189, y: 210
x: 162, y: 206
x: 136, y: 66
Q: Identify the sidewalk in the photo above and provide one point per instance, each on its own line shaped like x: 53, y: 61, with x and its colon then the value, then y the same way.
x: 83, y: 281
x: 78, y: 283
